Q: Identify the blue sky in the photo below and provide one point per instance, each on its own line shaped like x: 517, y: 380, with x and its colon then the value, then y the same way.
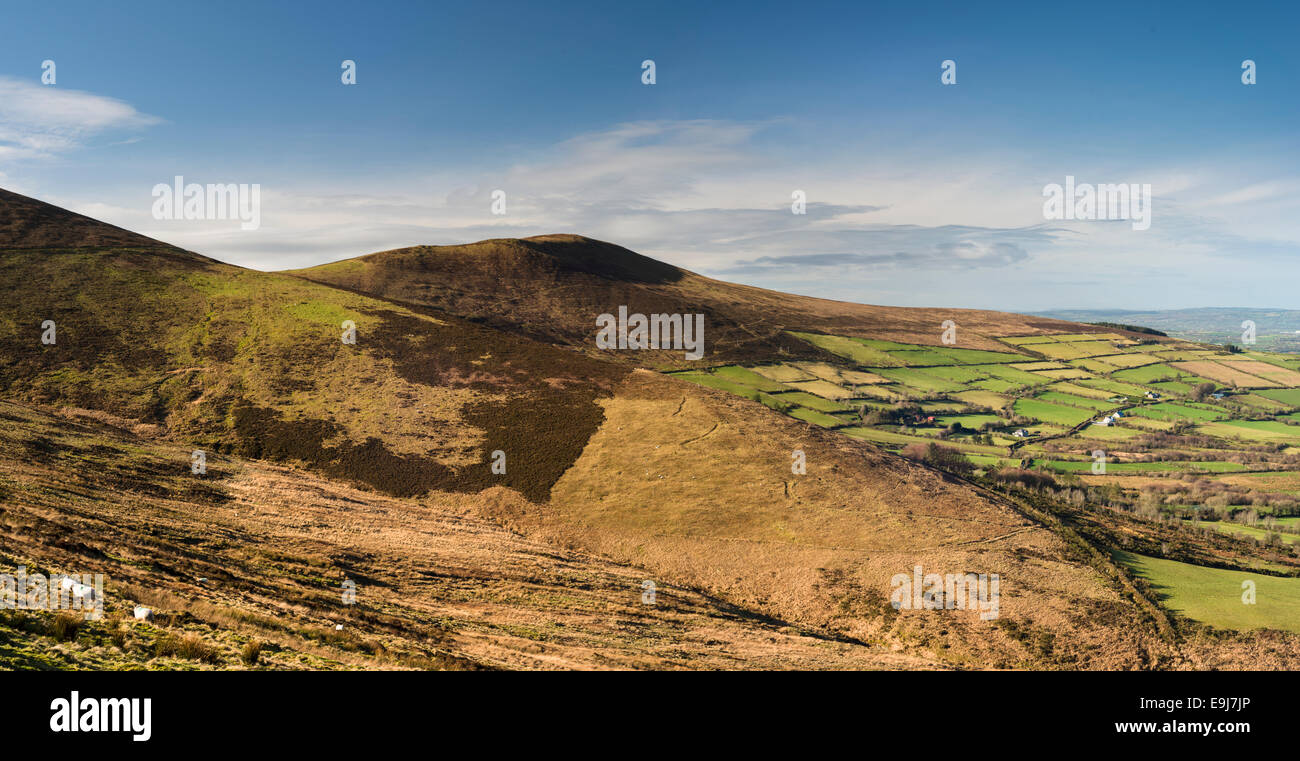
x: 918, y: 193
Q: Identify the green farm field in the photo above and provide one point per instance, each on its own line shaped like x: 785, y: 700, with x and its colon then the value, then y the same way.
x: 1214, y: 596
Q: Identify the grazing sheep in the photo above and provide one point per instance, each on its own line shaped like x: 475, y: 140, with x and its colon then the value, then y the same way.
x: 82, y: 592
x: 143, y: 613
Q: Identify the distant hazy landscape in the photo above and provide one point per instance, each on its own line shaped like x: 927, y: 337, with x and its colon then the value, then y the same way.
x: 1276, y: 329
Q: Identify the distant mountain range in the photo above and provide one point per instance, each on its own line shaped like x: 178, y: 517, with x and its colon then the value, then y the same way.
x: 1275, y: 329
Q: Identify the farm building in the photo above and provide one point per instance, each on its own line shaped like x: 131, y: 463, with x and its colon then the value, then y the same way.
x: 1020, y: 433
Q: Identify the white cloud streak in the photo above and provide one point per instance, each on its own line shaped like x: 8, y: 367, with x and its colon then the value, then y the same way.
x: 41, y: 121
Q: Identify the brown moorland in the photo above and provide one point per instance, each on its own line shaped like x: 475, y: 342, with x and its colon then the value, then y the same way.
x: 257, y: 553
x: 553, y: 287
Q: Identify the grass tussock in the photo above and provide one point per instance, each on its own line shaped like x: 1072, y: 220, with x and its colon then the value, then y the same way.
x: 188, y: 645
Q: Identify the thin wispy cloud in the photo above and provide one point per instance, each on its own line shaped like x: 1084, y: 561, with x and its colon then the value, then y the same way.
x: 39, y: 121
x: 947, y: 247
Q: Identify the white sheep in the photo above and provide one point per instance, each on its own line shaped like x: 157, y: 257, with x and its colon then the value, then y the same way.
x: 83, y: 592
x: 143, y: 613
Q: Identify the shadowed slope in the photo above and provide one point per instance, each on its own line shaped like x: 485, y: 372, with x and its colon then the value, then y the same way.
x: 29, y: 223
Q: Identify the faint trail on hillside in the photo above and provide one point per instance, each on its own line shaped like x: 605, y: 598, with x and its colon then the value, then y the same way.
x: 944, y: 517
x: 1007, y: 535
x: 701, y: 436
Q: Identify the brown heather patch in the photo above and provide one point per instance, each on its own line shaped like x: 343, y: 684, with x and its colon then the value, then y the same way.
x: 549, y: 409
x: 261, y: 434
x: 32, y: 224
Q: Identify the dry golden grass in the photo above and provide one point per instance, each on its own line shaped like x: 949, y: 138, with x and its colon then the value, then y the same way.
x: 784, y: 373
x: 1281, y: 375
x: 839, y: 375
x: 1227, y: 374
x: 1129, y: 360
x: 824, y: 389
x: 697, y: 485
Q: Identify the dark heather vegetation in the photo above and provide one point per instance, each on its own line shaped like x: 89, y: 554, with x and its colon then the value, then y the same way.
x: 1129, y: 328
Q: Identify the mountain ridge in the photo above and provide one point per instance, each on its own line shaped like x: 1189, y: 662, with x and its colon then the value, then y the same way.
x: 568, y: 284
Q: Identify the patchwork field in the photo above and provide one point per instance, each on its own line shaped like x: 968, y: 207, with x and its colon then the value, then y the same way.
x: 1047, y: 386
x: 1230, y: 373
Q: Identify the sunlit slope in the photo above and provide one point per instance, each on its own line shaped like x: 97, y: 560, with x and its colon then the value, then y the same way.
x: 554, y: 286
x: 694, y: 484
